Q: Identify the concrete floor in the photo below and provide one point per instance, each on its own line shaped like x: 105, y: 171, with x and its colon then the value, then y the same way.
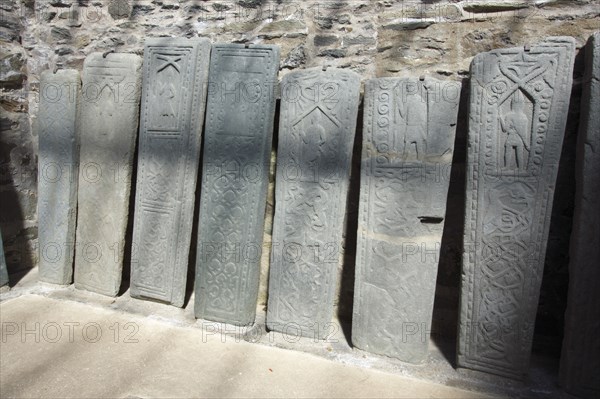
x: 58, y: 342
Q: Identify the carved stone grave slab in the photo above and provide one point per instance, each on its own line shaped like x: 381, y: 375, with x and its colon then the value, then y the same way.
x: 316, y: 136
x: 580, y: 363
x: 518, y: 110
x: 408, y: 142
x: 109, y: 122
x: 57, y: 174
x: 3, y: 268
x: 237, y: 149
x: 172, y: 113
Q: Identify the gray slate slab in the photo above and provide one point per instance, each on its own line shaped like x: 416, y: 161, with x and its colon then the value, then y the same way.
x: 580, y: 362
x: 519, y: 101
x: 109, y: 123
x: 237, y: 149
x: 408, y: 142
x: 3, y: 268
x: 172, y: 113
x: 316, y: 136
x: 57, y: 173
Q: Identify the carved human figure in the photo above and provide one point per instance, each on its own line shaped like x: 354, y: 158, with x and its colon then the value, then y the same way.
x: 514, y: 124
x: 414, y: 116
x: 313, y: 142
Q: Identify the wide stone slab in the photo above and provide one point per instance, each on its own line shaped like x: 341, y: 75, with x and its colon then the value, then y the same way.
x: 580, y: 362
x: 109, y: 122
x: 237, y: 149
x: 172, y: 113
x: 519, y: 100
x: 57, y: 174
x: 316, y: 136
x: 408, y: 142
x: 3, y: 268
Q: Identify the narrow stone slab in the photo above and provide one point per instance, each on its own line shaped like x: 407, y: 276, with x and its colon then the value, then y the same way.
x: 580, y: 362
x: 3, y: 268
x: 316, y: 136
x: 408, y: 142
x: 237, y: 149
x: 518, y: 110
x: 57, y: 174
x: 109, y: 122
x: 172, y: 113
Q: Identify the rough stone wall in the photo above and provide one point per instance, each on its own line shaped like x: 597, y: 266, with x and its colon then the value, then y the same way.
x: 373, y: 38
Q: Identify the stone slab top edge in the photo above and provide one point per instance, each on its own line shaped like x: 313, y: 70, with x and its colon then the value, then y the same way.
x: 326, y: 70
x: 62, y: 74
x: 108, y: 56
x: 548, y: 41
x: 236, y: 46
x: 176, y: 41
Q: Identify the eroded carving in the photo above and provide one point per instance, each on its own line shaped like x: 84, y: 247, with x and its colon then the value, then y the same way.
x: 317, y: 125
x: 408, y: 142
x: 109, y: 122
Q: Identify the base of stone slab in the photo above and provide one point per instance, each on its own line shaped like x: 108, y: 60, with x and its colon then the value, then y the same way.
x: 439, y: 368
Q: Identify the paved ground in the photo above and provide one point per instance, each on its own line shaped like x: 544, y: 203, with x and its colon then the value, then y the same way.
x: 58, y: 342
x: 110, y: 354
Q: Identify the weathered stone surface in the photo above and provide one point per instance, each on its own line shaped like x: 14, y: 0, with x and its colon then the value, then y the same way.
x: 109, y: 122
x: 296, y: 57
x: 316, y: 135
x: 580, y: 363
x: 172, y: 113
x: 494, y: 6
x: 408, y: 24
x: 409, y: 128
x: 237, y: 149
x: 333, y: 53
x: 119, y: 9
x: 3, y: 269
x: 518, y: 110
x: 57, y: 173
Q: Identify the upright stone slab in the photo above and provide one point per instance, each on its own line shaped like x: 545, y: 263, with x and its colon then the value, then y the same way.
x: 172, y: 113
x: 237, y: 150
x: 580, y: 363
x: 518, y: 110
x: 57, y: 174
x: 3, y: 268
x: 109, y: 122
x: 408, y: 142
x: 316, y: 136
